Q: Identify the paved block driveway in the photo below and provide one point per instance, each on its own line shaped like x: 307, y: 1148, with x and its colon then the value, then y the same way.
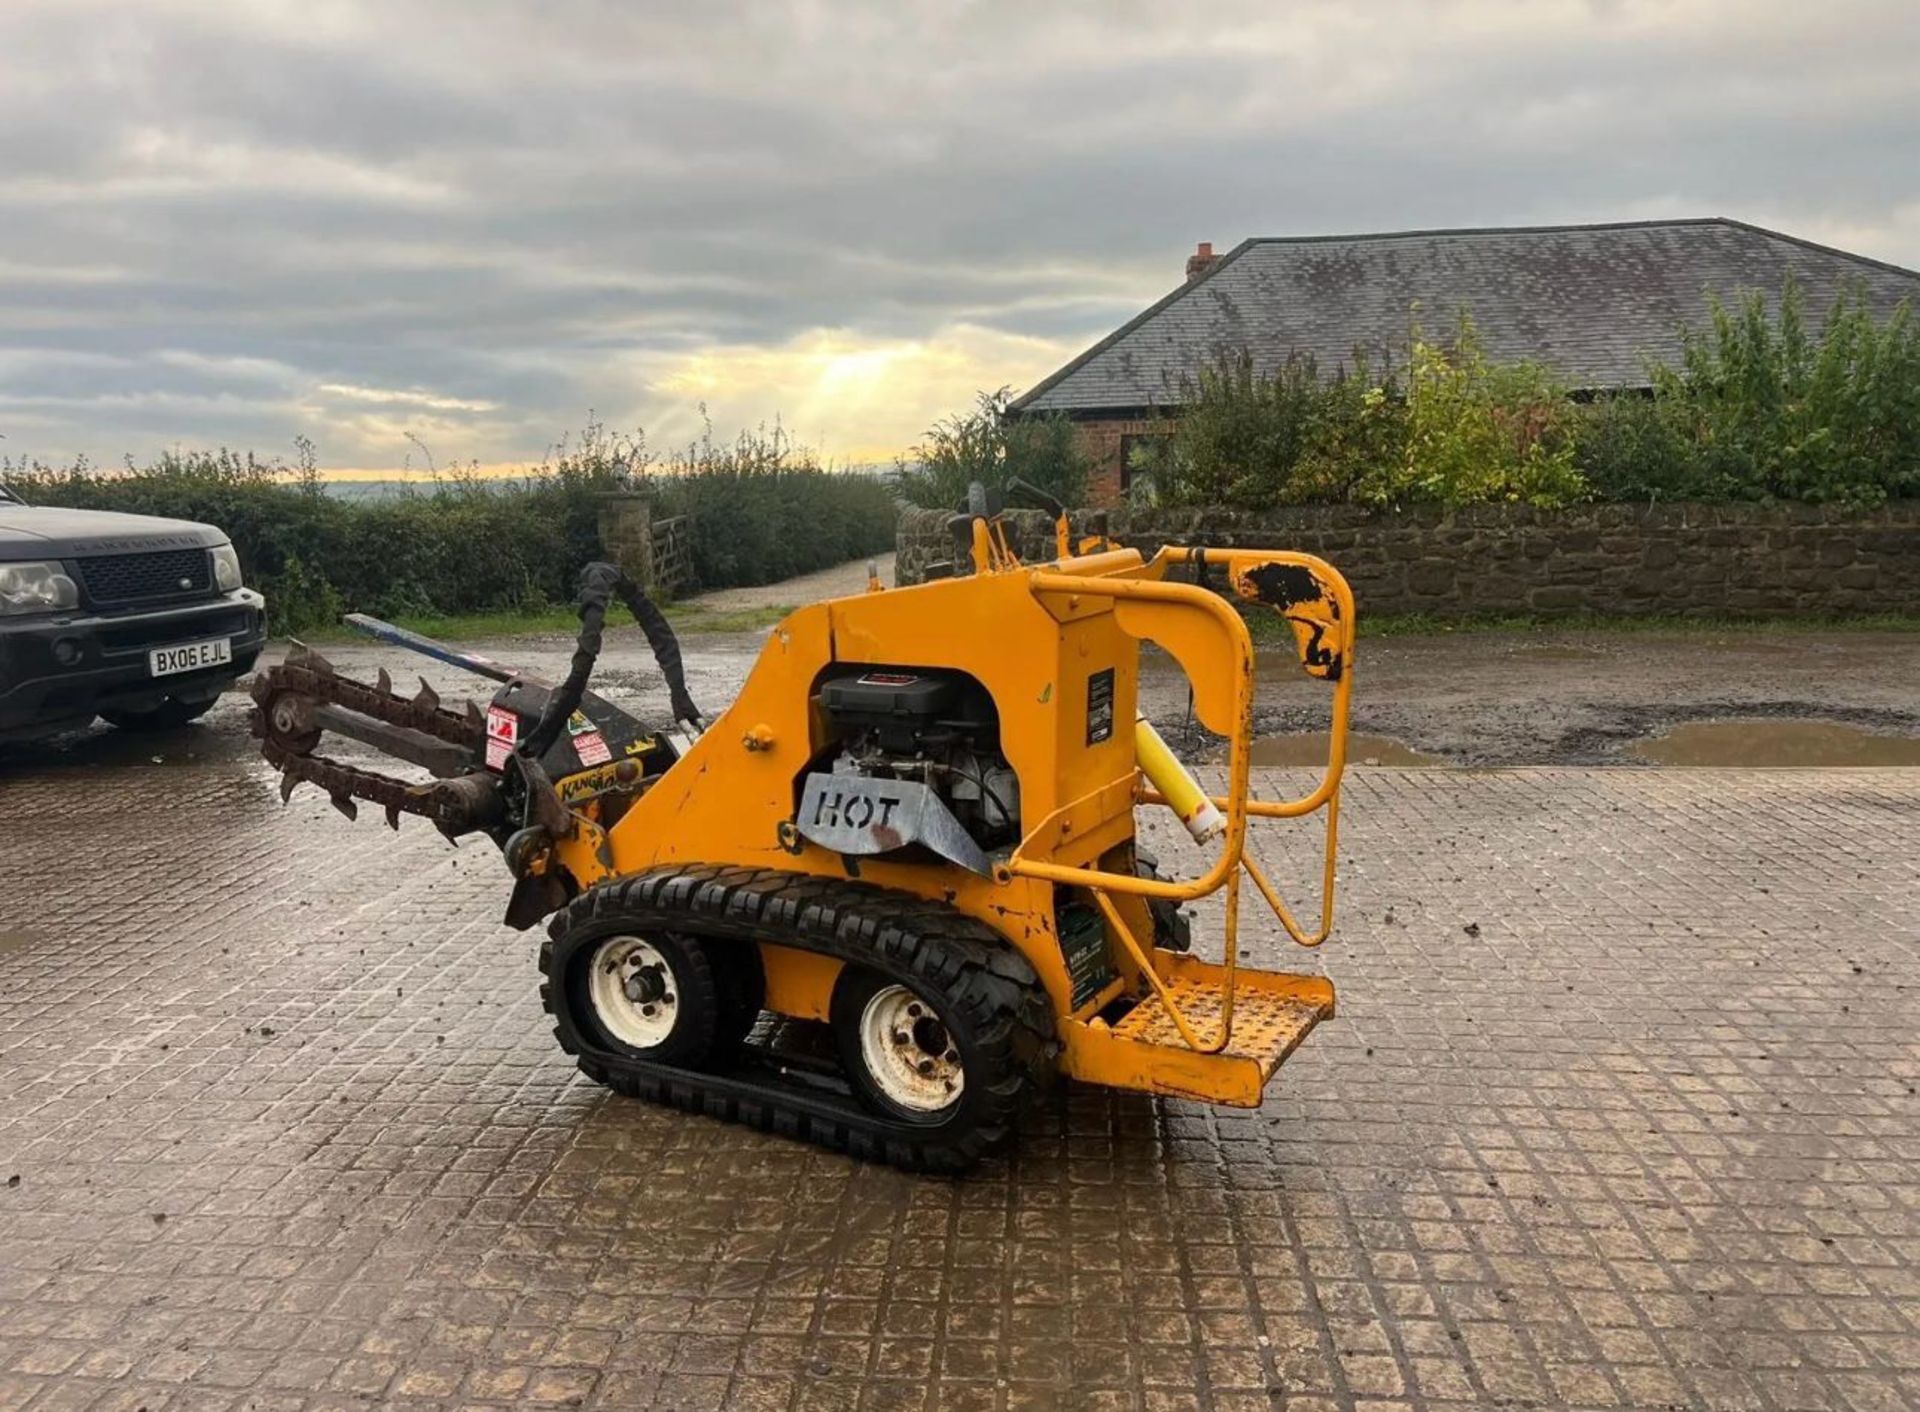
x: 1620, y: 1111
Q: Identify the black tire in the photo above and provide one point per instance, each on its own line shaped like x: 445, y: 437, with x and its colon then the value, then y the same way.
x: 952, y: 1046
x: 1172, y: 926
x: 979, y: 979
x: 170, y: 714
x: 695, y: 1037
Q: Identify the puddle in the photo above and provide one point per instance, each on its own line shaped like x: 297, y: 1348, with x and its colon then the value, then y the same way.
x: 1774, y: 744
x: 217, y: 739
x: 1311, y: 749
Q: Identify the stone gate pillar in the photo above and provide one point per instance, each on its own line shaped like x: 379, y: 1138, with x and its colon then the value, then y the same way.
x: 626, y: 533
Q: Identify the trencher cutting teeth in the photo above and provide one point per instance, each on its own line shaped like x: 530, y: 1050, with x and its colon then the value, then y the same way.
x: 311, y: 679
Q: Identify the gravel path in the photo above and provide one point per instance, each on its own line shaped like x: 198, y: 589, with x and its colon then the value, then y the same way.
x: 837, y: 582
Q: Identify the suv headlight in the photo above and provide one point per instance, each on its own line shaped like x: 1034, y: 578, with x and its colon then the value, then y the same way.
x: 36, y: 587
x: 226, y: 568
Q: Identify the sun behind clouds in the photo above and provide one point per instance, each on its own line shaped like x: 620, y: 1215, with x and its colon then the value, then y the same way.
x: 855, y: 399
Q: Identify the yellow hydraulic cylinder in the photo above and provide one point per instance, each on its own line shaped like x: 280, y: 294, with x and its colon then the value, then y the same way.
x: 1179, y: 788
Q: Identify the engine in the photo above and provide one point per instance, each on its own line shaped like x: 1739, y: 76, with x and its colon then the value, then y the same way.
x: 911, y: 746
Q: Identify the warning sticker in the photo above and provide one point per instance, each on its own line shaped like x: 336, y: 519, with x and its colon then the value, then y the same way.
x: 578, y: 724
x: 592, y: 748
x: 1100, y: 706
x: 502, y: 724
x: 1083, y: 943
x: 497, y: 753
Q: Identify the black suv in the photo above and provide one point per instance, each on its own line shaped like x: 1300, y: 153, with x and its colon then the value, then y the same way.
x: 137, y: 619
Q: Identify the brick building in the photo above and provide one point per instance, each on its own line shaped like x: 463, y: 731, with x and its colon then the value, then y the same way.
x: 1593, y: 303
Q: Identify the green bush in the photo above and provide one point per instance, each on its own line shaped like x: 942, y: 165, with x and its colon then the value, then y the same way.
x: 1464, y: 430
x: 1480, y: 431
x: 1763, y: 409
x: 1287, y: 438
x: 988, y: 446
x: 763, y: 510
x: 1632, y: 447
x: 1757, y: 408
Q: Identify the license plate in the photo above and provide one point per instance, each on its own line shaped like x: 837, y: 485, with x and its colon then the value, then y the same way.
x: 190, y: 657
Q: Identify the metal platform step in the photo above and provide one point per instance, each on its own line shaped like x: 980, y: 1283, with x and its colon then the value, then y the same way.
x: 1272, y: 1012
x: 1267, y: 1027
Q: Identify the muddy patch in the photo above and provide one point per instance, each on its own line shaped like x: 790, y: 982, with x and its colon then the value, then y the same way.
x: 11, y: 942
x: 1310, y: 748
x: 1789, y: 744
x: 1557, y: 652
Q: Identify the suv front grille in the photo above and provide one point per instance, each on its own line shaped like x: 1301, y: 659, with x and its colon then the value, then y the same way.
x: 138, y: 578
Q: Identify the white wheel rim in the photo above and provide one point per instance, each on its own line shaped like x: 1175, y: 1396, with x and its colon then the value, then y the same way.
x: 910, y: 1054
x: 633, y: 990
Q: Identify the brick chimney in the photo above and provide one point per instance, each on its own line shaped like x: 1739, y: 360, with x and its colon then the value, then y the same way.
x: 1201, y: 260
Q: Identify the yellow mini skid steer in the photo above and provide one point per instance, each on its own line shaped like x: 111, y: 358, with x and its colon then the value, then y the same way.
x: 894, y: 888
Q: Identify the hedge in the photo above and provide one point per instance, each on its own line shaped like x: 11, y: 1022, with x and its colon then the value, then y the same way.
x: 763, y: 510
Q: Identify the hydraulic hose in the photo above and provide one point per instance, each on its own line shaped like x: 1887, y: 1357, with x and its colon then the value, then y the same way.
x: 666, y: 648
x: 599, y: 585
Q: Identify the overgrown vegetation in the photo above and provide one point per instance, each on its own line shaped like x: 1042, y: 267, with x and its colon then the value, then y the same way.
x: 1288, y: 438
x: 1460, y: 429
x: 1480, y: 431
x: 1758, y: 408
x: 988, y: 446
x: 763, y: 510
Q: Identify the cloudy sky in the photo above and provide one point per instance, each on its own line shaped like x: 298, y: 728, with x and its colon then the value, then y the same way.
x: 472, y: 222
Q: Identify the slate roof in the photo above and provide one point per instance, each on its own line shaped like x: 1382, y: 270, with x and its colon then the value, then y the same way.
x: 1592, y: 302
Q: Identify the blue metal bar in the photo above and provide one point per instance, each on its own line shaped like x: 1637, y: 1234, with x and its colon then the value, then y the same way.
x: 427, y: 646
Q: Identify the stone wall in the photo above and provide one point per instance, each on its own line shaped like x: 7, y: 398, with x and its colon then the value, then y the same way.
x: 1736, y: 560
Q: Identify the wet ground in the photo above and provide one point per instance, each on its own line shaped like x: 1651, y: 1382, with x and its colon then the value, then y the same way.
x: 1619, y: 1110
x: 1578, y: 697
x: 1788, y: 697
x: 1781, y: 744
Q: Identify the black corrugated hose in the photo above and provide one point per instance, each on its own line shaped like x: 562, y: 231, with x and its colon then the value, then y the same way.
x: 600, y: 584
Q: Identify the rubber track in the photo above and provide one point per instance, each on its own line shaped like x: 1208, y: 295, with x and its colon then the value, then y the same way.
x: 907, y: 938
